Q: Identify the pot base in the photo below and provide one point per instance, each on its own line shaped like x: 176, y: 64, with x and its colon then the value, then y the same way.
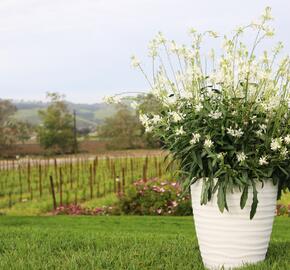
x: 231, y: 239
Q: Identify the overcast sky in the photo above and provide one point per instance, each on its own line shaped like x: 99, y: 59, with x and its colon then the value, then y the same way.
x: 82, y: 48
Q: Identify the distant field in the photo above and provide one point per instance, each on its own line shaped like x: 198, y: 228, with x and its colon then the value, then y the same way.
x: 116, y: 243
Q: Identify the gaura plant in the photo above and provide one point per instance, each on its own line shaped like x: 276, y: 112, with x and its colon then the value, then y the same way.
x: 225, y: 116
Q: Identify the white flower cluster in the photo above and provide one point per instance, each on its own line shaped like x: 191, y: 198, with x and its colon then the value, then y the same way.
x: 262, y: 130
x: 250, y: 93
x: 280, y: 144
x: 276, y: 144
x: 263, y: 160
x: 287, y: 139
x: 112, y: 99
x: 180, y: 131
x: 215, y: 115
x: 149, y: 122
x: 208, y: 143
x: 241, y: 156
x: 146, y: 122
x: 176, y: 117
x: 135, y: 62
x: 195, y: 138
x: 238, y: 133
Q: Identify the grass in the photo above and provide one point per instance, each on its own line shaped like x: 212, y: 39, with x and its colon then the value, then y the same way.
x: 137, y: 243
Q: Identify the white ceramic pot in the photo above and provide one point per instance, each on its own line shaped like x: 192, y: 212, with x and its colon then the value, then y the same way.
x: 231, y: 239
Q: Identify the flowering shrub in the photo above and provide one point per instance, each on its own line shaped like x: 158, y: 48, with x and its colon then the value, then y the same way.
x: 154, y: 197
x: 73, y: 209
x: 283, y: 210
x: 225, y: 117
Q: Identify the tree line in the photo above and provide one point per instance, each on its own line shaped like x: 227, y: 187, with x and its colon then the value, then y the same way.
x: 57, y: 132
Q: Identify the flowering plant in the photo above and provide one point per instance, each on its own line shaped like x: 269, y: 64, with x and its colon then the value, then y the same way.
x: 225, y: 117
x: 75, y: 210
x: 155, y: 197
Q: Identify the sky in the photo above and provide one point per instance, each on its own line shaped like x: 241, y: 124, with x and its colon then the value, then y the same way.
x: 82, y: 48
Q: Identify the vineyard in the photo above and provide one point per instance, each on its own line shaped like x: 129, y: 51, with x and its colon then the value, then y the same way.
x: 34, y: 186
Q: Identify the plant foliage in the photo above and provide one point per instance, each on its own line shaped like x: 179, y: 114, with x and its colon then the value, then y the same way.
x: 225, y: 117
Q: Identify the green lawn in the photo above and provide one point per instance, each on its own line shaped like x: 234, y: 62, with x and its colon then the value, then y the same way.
x: 64, y: 242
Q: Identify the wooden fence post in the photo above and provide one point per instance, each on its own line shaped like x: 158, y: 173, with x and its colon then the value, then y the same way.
x: 52, y: 191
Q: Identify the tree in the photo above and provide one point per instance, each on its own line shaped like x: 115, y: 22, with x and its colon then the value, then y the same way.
x: 7, y: 136
x: 123, y: 130
x: 11, y: 130
x: 57, y: 130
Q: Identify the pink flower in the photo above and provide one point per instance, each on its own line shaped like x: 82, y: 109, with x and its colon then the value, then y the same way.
x: 159, y: 211
x: 174, y: 203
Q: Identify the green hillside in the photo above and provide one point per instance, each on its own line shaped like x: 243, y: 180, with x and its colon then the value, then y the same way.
x: 88, y: 115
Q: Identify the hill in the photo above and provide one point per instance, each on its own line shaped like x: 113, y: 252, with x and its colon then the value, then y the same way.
x: 88, y: 115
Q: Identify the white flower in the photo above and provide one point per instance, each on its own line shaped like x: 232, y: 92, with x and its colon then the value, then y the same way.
x: 174, y: 48
x: 156, y: 119
x: 263, y: 160
x: 160, y: 38
x: 254, y: 118
x: 287, y: 139
x: 266, y: 16
x: 146, y: 122
x: 134, y: 61
x: 213, y: 34
x: 198, y: 107
x: 235, y: 132
x: 112, y: 99
x: 284, y: 152
x: 195, y: 138
x: 215, y: 115
x: 239, y: 30
x: 144, y: 119
x: 152, y: 47
x: 191, y: 30
x: 276, y: 144
x: 241, y: 156
x: 179, y: 131
x: 176, y: 116
x: 208, y: 143
x: 259, y: 132
x: 134, y: 105
x: 278, y: 48
x: 263, y: 127
x: 108, y: 99
x: 220, y: 155
x: 148, y: 129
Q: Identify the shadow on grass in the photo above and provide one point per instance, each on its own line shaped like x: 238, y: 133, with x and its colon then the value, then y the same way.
x: 277, y: 258
x: 279, y: 251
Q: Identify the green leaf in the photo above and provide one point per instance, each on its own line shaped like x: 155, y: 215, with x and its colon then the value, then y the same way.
x: 244, y: 197
x: 255, y: 201
x: 197, y: 159
x: 283, y: 170
x: 221, y: 199
x: 203, y: 198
